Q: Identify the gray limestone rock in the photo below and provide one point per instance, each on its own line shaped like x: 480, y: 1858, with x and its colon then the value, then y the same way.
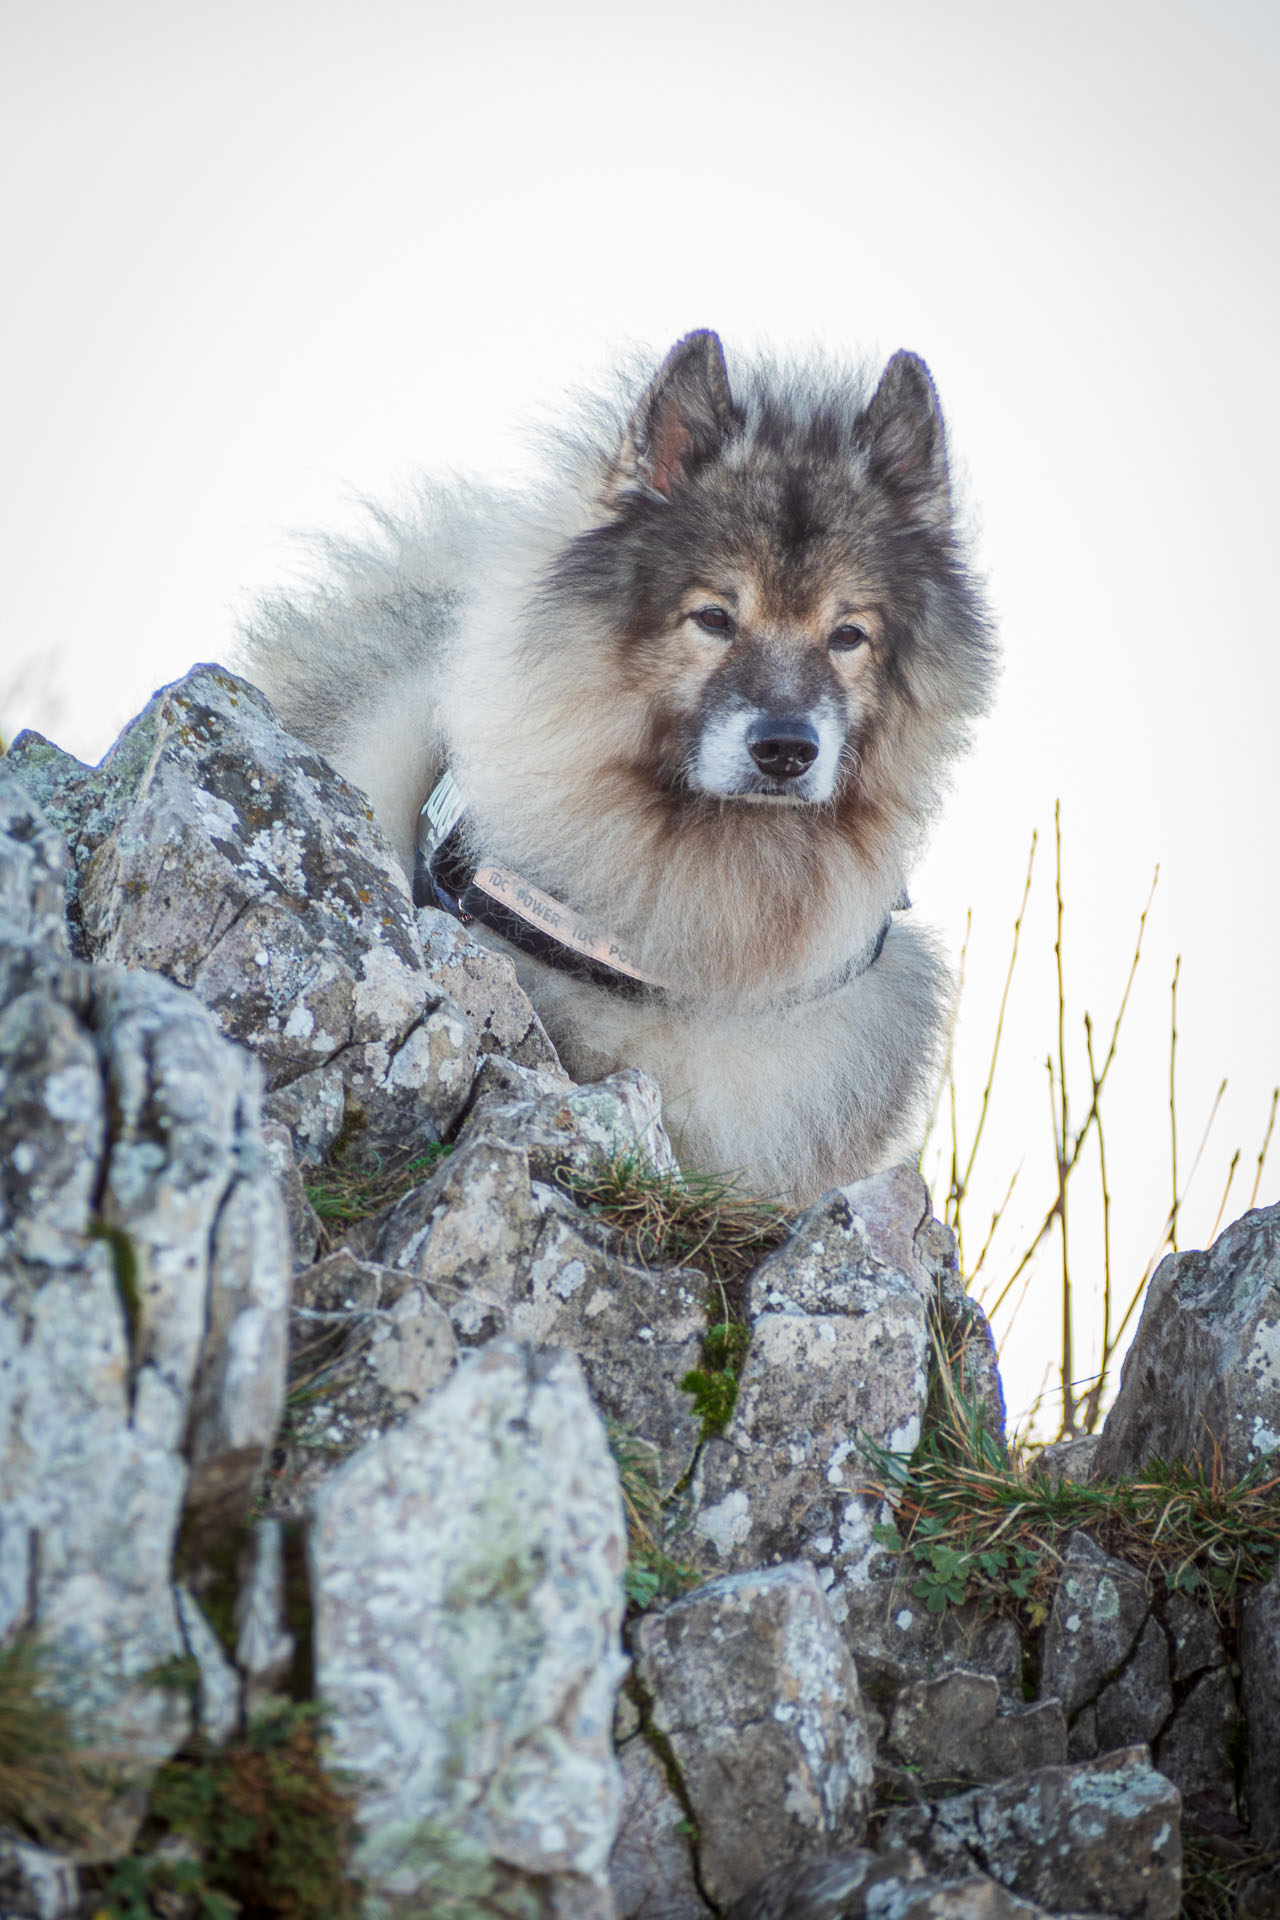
x: 1100, y: 1610
x: 751, y: 1688
x: 963, y: 1333
x: 36, y: 1884
x: 877, y: 1886
x: 503, y: 1251
x: 1137, y: 1704
x: 227, y: 855
x: 570, y: 1130
x: 1102, y: 1837
x: 467, y: 1586
x: 838, y: 1355
x: 1194, y: 1747
x: 264, y: 1645
x: 651, y: 1873
x: 312, y: 1110
x: 1204, y: 1367
x: 950, y: 1728
x: 218, y: 1713
x: 143, y: 1293
x: 31, y: 870
x: 367, y: 1344
x: 1260, y: 1688
x: 305, y: 1228
x: 483, y: 985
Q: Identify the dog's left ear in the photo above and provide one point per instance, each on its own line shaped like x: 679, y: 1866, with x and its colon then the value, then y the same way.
x: 685, y: 415
x: 907, y: 442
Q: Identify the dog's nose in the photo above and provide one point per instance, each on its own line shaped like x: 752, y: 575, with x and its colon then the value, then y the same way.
x: 783, y: 745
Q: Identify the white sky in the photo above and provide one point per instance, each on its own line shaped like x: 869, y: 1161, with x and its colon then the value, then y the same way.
x: 265, y: 255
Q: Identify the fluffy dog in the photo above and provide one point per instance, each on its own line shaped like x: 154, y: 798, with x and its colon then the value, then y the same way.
x: 682, y: 713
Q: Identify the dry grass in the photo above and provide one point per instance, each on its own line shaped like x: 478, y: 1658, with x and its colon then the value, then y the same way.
x: 673, y: 1218
x: 980, y: 1526
x: 48, y: 1789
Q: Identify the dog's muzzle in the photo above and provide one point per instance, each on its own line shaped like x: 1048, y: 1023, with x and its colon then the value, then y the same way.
x: 783, y: 745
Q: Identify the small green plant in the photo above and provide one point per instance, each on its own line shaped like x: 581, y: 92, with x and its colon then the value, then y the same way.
x: 352, y: 1187
x: 990, y: 1530
x: 714, y: 1385
x: 268, y: 1827
x: 651, y: 1574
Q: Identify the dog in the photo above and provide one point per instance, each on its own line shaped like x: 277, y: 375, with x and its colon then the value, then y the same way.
x: 680, y: 714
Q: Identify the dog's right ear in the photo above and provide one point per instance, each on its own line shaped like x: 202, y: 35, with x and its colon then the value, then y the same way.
x: 685, y: 415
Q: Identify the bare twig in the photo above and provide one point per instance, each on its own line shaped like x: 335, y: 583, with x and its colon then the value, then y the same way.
x: 1062, y: 1135
x: 1090, y: 1119
x: 1163, y: 1241
x: 996, y: 1218
x: 1222, y: 1204
x: 999, y: 1033
x: 1173, y: 1110
x: 1266, y: 1142
x: 1093, y: 1401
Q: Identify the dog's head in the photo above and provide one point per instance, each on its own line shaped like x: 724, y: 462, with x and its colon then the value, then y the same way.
x: 776, y: 573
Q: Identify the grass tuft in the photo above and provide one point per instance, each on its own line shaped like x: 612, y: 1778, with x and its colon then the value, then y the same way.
x: 348, y: 1189
x: 980, y: 1527
x: 676, y: 1218
x: 651, y: 1574
x: 48, y: 1789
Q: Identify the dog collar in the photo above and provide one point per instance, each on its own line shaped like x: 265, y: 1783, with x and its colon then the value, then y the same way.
x: 535, y: 922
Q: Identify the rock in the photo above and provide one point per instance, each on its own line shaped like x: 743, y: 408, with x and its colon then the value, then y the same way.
x: 573, y: 1129
x: 219, y: 1685
x: 31, y: 871
x: 35, y: 1884
x: 961, y: 1327
x: 467, y: 1587
x: 1260, y: 1689
x: 838, y: 1356
x: 368, y: 1344
x: 1100, y: 1610
x: 503, y: 1251
x: 753, y: 1694
x: 1194, y: 1747
x: 1138, y: 1703
x: 1068, y: 1461
x: 264, y: 1645
x: 305, y: 1229
x: 651, y: 1867
x: 312, y: 1110
x: 1203, y: 1372
x: 950, y: 1728
x: 873, y: 1886
x: 1101, y: 1837
x: 143, y: 1291
x: 483, y: 985
x: 192, y: 1206
x: 223, y: 853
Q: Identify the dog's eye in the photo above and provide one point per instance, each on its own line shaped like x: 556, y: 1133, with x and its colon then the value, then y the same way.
x: 847, y: 637
x: 715, y: 620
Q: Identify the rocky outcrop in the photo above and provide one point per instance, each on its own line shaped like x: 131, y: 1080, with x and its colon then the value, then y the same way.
x: 214, y: 849
x: 466, y: 1578
x: 759, y: 1788
x: 215, y: 997
x: 144, y: 1276
x: 1202, y: 1378
x: 1101, y: 1838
